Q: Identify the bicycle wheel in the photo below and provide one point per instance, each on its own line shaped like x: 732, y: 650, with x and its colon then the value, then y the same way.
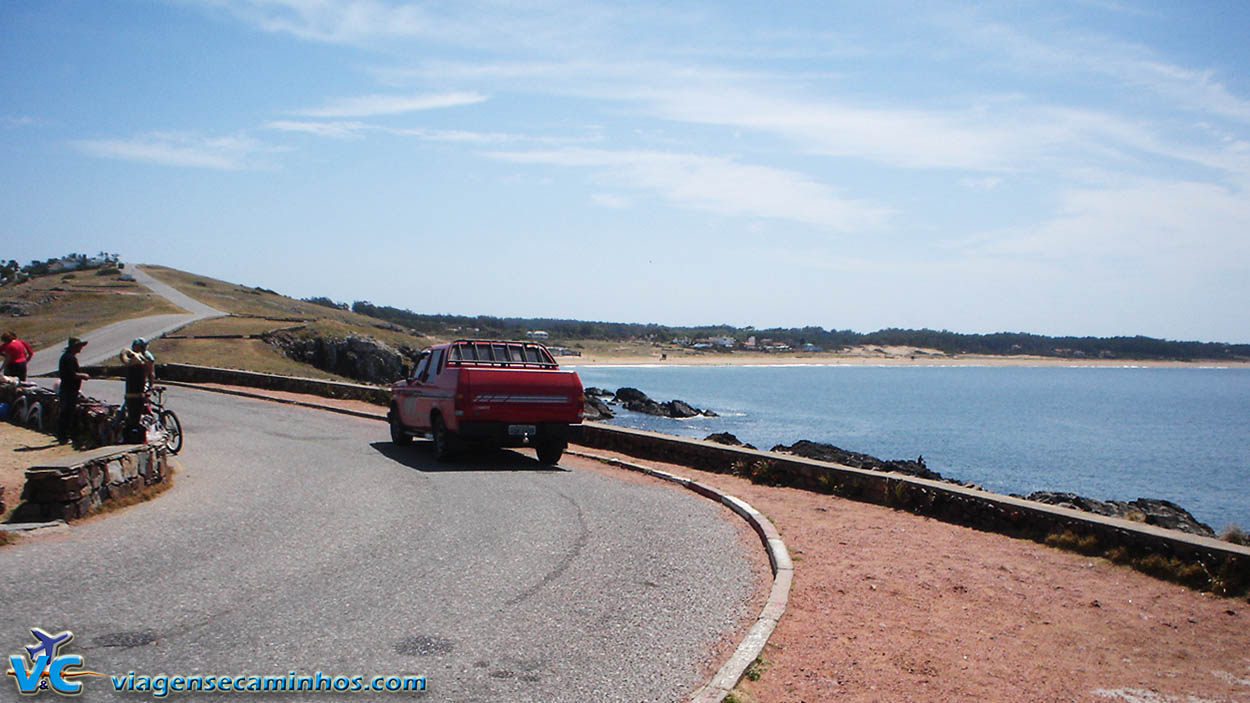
x: 173, y: 431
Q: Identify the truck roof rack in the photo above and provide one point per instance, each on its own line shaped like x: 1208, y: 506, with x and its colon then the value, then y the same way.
x: 493, y: 352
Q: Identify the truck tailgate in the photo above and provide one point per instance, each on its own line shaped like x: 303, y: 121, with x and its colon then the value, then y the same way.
x: 521, y: 395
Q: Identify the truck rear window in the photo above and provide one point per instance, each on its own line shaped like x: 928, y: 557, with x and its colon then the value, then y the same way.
x: 500, y: 354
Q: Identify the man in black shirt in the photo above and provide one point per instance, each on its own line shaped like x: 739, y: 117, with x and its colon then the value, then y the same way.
x: 71, y: 383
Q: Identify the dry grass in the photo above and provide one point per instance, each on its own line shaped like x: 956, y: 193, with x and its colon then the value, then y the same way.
x: 243, y: 354
x: 254, y: 354
x: 63, y: 306
x: 242, y: 300
x: 233, y: 325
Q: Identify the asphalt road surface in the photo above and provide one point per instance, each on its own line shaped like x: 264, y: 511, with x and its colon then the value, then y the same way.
x: 296, y: 540
x: 103, y: 344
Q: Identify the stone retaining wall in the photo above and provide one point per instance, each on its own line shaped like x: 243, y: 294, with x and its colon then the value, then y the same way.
x: 188, y: 373
x: 1200, y: 562
x: 68, y: 488
x: 38, y: 408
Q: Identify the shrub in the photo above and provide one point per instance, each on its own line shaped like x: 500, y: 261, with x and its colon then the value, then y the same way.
x: 1234, y: 534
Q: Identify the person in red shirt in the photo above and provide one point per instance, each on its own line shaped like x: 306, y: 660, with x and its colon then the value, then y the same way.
x: 16, y: 353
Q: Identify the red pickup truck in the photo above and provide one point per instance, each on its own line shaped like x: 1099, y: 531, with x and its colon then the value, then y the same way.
x: 506, y: 394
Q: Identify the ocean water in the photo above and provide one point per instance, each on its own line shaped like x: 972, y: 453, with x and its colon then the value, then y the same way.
x: 1182, y: 434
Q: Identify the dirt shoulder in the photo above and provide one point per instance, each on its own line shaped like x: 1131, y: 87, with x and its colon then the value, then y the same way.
x: 890, y: 606
x: 20, y: 449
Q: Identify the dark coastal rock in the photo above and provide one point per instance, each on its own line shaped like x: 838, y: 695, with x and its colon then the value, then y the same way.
x: 630, y: 395
x: 680, y: 408
x: 648, y: 406
x: 728, y: 439
x: 1152, y: 511
x: 598, y: 392
x: 827, y: 452
x: 595, y: 409
x: 355, y: 356
x: 639, y: 402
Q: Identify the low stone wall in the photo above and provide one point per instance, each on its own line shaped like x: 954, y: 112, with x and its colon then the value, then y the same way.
x: 1200, y: 562
x: 188, y: 373
x: 68, y: 488
x: 38, y: 409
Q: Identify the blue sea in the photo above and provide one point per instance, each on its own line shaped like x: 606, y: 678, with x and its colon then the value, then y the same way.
x: 1182, y: 434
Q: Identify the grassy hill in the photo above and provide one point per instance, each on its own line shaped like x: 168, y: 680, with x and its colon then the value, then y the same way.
x: 46, y: 309
x: 256, y: 311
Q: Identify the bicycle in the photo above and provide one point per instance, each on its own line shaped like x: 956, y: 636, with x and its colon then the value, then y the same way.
x: 155, y: 419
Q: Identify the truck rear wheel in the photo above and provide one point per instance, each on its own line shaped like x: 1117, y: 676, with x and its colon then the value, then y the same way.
x: 442, y: 439
x: 550, y: 451
x: 398, y: 435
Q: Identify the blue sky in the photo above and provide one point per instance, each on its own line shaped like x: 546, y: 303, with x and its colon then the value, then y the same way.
x: 1059, y: 168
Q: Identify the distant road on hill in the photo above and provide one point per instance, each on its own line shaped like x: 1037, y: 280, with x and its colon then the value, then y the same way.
x: 105, y: 342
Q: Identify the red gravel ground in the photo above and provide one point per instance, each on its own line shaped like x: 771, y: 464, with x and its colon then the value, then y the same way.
x: 889, y: 606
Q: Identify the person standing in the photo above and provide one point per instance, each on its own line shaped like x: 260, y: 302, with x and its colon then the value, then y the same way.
x: 16, y: 353
x: 71, y: 383
x: 140, y: 374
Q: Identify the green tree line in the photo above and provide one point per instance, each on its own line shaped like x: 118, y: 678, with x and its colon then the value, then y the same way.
x: 999, y: 343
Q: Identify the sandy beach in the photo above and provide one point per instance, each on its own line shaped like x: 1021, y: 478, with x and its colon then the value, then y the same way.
x: 860, y: 356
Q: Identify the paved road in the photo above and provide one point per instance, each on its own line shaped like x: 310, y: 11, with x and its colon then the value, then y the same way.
x: 104, y: 343
x: 298, y: 540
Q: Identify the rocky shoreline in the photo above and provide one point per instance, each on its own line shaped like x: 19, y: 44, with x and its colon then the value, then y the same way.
x: 1151, y: 511
x: 599, y: 401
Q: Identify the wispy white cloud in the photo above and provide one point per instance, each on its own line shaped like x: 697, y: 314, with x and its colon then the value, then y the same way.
x: 333, y: 130
x: 18, y: 121
x: 1183, y: 227
x: 718, y: 185
x: 486, y: 24
x: 1077, y: 52
x: 356, y: 129
x: 375, y: 105
x: 177, y: 149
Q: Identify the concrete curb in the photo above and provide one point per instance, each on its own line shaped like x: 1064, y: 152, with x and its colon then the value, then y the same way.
x: 752, y: 645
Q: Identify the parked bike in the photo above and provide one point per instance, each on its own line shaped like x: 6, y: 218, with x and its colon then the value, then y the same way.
x: 161, y: 425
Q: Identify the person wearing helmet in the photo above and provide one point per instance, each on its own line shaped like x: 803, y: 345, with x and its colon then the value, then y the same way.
x: 140, y: 374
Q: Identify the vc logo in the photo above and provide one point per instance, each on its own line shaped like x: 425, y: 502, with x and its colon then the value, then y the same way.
x: 48, y: 668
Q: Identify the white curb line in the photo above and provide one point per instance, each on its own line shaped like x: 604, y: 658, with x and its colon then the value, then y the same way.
x: 752, y: 645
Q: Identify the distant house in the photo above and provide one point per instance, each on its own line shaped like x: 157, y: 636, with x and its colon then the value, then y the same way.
x: 70, y: 263
x: 537, y: 334
x: 750, y: 343
x: 810, y: 348
x: 727, y: 342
